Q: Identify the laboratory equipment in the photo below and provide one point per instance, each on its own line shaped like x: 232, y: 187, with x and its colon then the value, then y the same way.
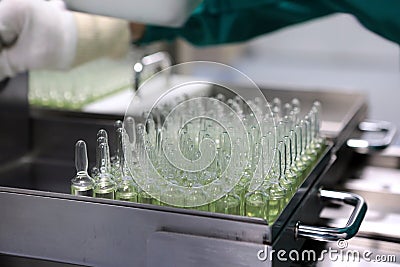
x: 104, y: 182
x: 75, y: 88
x: 156, y: 139
x: 82, y: 184
x: 37, y: 183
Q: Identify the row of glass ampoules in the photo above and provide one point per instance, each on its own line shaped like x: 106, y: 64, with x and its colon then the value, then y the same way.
x: 286, y: 151
x: 81, y: 85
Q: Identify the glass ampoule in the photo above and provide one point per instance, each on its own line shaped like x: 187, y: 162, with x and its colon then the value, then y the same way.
x: 296, y: 110
x: 311, y: 149
x: 102, y: 133
x: 82, y: 184
x: 96, y: 168
x: 228, y: 204
x: 289, y: 180
x: 295, y: 170
x: 257, y: 204
x: 287, y: 108
x: 126, y: 186
x: 277, y: 194
x: 300, y: 164
x: 130, y: 128
x: 127, y: 189
x: 255, y: 146
x: 305, y: 157
x: 318, y: 142
x: 276, y: 108
x: 105, y: 182
x: 199, y: 196
x: 151, y: 131
x: 143, y: 154
x: 241, y: 187
x: 114, y: 160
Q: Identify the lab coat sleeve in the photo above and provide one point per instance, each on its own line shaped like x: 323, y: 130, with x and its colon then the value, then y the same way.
x: 227, y: 21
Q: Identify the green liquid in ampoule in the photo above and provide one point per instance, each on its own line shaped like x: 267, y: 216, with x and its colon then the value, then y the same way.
x: 144, y: 198
x: 257, y: 204
x: 229, y: 204
x: 105, y: 187
x: 86, y: 191
x: 126, y: 192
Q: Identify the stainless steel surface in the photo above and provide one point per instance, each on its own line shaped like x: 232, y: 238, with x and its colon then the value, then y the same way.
x: 335, y: 233
x: 375, y: 176
x: 171, y: 249
x: 378, y: 143
x: 95, y: 232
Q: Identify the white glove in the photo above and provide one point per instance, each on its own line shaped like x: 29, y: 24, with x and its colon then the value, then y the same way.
x: 36, y: 34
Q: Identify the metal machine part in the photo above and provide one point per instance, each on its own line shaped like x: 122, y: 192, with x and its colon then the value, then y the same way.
x: 374, y: 126
x: 374, y: 176
x: 79, y: 230
x: 335, y: 234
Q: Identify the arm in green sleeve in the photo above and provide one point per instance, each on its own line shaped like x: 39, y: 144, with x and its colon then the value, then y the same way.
x: 227, y: 21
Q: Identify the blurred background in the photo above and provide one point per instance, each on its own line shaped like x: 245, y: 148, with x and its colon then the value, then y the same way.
x: 331, y: 53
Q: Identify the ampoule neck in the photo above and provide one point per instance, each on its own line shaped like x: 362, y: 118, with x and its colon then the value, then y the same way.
x: 81, y: 159
x: 82, y: 173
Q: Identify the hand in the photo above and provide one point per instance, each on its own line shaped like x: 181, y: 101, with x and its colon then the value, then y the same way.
x: 35, y: 34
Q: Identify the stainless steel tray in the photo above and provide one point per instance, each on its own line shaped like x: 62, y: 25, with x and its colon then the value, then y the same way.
x: 41, y: 220
x: 89, y: 231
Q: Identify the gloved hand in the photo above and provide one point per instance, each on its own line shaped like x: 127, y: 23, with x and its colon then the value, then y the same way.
x: 35, y: 34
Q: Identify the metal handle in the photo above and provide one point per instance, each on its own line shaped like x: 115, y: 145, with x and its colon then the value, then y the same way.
x: 160, y: 60
x: 333, y: 233
x: 374, y: 126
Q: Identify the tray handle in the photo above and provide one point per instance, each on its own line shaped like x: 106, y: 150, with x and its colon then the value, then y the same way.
x: 374, y: 126
x: 333, y: 233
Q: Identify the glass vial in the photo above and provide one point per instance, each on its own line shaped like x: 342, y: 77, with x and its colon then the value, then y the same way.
x: 82, y: 184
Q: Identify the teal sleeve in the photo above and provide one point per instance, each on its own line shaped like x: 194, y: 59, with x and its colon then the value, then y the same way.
x: 227, y: 21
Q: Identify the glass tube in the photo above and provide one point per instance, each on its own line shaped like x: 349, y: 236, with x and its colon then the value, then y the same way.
x: 275, y: 191
x: 105, y: 184
x: 290, y: 174
x: 256, y: 204
x: 316, y: 114
x: 301, y: 166
x: 228, y: 204
x: 276, y: 108
x: 82, y: 184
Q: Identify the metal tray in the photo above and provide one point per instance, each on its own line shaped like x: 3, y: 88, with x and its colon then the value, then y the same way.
x: 41, y: 220
x: 59, y: 227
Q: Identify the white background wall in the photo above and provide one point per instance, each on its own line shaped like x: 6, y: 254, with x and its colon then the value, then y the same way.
x: 335, y: 52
